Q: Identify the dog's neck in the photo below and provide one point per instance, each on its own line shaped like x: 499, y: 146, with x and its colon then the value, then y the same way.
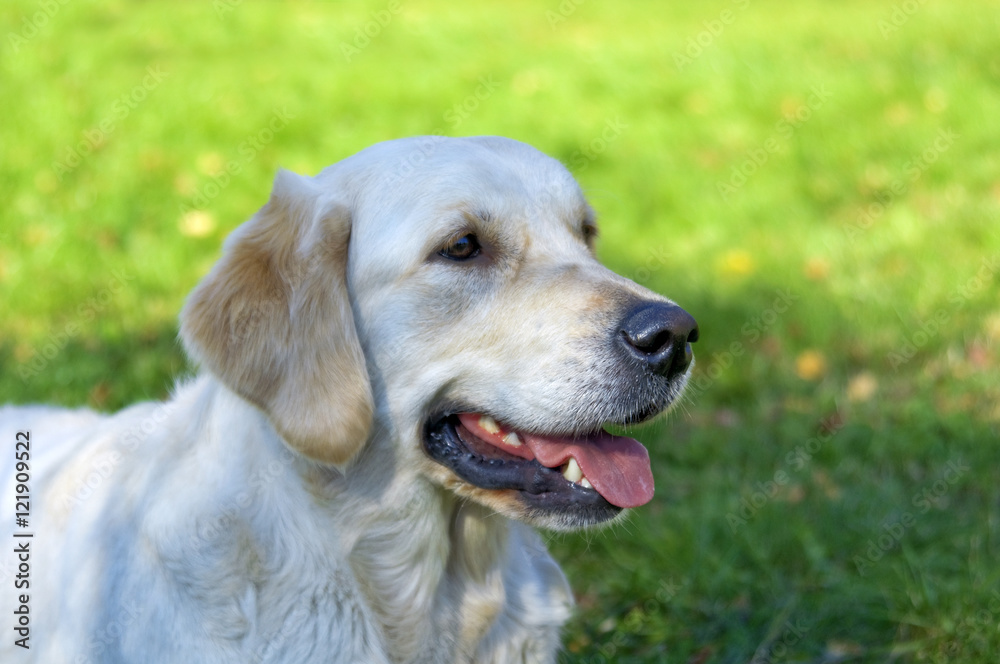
x: 428, y: 563
x: 426, y: 556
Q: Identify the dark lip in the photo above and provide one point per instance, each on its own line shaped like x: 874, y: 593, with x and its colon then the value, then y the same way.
x: 539, y: 488
x: 644, y: 415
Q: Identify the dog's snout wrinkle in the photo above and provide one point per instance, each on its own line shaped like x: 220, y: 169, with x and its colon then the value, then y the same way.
x: 660, y: 335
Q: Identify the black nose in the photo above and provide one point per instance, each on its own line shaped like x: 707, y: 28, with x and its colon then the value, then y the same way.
x: 660, y: 335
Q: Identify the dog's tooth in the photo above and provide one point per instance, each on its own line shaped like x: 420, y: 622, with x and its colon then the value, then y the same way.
x: 573, y: 472
x: 585, y: 483
x: 489, y: 424
x: 512, y: 440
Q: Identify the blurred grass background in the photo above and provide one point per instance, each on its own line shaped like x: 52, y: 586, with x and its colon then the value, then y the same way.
x: 817, y: 182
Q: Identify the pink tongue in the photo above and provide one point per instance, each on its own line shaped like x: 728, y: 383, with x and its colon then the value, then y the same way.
x: 617, y: 467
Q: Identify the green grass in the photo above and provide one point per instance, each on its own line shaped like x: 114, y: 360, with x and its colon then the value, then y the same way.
x: 866, y: 229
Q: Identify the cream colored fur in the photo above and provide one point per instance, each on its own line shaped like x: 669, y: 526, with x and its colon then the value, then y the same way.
x: 279, y: 508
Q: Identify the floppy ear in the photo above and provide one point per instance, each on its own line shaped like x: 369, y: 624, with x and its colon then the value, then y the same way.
x: 273, y: 322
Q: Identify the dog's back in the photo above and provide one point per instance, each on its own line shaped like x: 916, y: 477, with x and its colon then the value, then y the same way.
x: 137, y: 517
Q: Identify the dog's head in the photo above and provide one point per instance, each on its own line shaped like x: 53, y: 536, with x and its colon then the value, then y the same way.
x: 448, y: 288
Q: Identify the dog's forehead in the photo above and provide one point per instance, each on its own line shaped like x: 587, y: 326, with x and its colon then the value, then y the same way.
x: 413, y: 183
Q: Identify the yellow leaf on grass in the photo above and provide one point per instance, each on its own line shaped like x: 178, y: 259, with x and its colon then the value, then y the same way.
x: 210, y: 163
x: 196, y: 223
x: 817, y: 269
x: 862, y: 387
x: 737, y: 262
x: 810, y: 365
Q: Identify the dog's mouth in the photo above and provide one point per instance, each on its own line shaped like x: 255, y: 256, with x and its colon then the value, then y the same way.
x: 599, y: 473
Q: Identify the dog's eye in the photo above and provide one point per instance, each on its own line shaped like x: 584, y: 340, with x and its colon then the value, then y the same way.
x: 462, y: 248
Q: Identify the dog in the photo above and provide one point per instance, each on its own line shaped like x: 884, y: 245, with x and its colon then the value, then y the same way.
x: 407, y: 362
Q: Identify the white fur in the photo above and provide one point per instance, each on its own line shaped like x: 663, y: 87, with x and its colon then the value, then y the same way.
x: 193, y: 531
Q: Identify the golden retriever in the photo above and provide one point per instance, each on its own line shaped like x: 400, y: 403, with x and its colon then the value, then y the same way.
x: 408, y: 361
